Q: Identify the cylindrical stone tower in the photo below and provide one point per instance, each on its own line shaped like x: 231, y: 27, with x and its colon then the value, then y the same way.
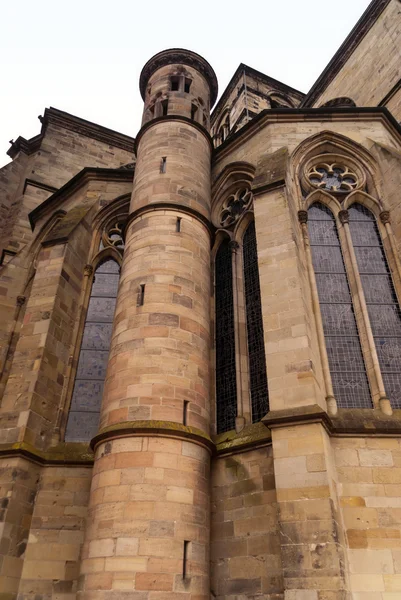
x: 148, y: 526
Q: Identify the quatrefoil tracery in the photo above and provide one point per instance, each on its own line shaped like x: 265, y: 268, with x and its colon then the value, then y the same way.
x: 235, y: 206
x: 333, y: 177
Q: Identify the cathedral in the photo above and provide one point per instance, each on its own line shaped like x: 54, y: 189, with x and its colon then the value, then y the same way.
x: 200, y: 393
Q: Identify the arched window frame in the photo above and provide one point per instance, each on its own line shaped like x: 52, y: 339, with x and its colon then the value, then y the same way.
x: 117, y: 211
x: 235, y: 233
x: 340, y: 214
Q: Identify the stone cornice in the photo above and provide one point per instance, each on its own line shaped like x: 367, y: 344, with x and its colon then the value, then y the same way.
x: 269, y: 187
x: 369, y: 17
x: 183, y: 57
x: 396, y: 88
x: 169, y: 206
x: 169, y: 429
x: 347, y: 422
x: 65, y: 453
x: 26, y: 146
x: 87, y: 128
x: 250, y: 438
x: 38, y: 184
x: 72, y: 123
x: 166, y: 118
x: 271, y: 116
x: 87, y: 174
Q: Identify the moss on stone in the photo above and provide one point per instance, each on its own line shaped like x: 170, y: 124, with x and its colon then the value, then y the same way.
x: 252, y: 435
x: 167, y: 427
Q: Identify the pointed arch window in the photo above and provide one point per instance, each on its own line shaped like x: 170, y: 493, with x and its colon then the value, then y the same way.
x: 241, y: 379
x: 83, y: 418
x: 226, y: 386
x: 254, y: 322
x: 347, y: 367
x: 380, y: 296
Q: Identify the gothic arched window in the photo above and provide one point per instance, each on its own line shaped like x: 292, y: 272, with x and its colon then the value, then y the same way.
x: 380, y: 297
x: 226, y: 385
x: 347, y: 367
x: 241, y: 379
x: 83, y: 418
x: 254, y: 322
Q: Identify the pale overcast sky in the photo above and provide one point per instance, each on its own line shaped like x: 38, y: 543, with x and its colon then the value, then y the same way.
x: 85, y: 56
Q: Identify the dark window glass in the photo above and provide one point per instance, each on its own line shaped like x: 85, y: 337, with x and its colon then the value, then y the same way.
x: 83, y: 419
x: 347, y: 366
x: 381, y: 300
x: 226, y: 385
x: 254, y: 324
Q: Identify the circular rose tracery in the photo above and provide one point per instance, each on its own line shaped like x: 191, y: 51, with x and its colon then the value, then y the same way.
x: 333, y: 177
x: 234, y: 206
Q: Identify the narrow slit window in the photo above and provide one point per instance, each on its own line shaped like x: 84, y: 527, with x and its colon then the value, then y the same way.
x: 187, y: 85
x: 178, y: 225
x: 163, y: 164
x: 175, y: 84
x: 344, y: 352
x: 185, y: 559
x: 164, y: 107
x: 141, y: 294
x: 194, y: 110
x: 185, y: 412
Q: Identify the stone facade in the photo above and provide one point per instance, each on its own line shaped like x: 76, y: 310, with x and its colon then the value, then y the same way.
x: 143, y: 456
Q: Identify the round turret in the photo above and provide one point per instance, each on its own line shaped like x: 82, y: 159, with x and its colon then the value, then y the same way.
x: 178, y: 82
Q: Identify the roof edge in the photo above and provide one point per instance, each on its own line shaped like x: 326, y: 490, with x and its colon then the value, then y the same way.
x: 72, y: 123
x: 258, y: 74
x: 351, y: 42
x: 85, y: 175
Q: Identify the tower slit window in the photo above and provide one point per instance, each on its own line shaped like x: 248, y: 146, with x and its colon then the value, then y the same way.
x: 187, y: 85
x: 254, y: 322
x: 226, y: 386
x: 381, y: 300
x: 194, y: 110
x: 347, y: 367
x: 84, y: 412
x: 164, y: 107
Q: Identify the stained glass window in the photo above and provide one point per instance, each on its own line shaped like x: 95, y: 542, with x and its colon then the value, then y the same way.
x: 347, y: 367
x: 381, y: 300
x: 226, y: 386
x: 83, y: 419
x: 254, y: 322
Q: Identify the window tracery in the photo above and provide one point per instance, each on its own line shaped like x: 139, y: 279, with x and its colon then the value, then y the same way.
x: 241, y: 379
x: 344, y: 351
x: 381, y: 300
x: 235, y: 205
x: 333, y: 177
x: 376, y: 325
x: 112, y: 235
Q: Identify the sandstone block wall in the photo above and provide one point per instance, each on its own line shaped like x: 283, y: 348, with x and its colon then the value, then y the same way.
x: 369, y: 484
x: 367, y: 81
x: 149, y: 500
x: 52, y: 554
x: 245, y: 541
